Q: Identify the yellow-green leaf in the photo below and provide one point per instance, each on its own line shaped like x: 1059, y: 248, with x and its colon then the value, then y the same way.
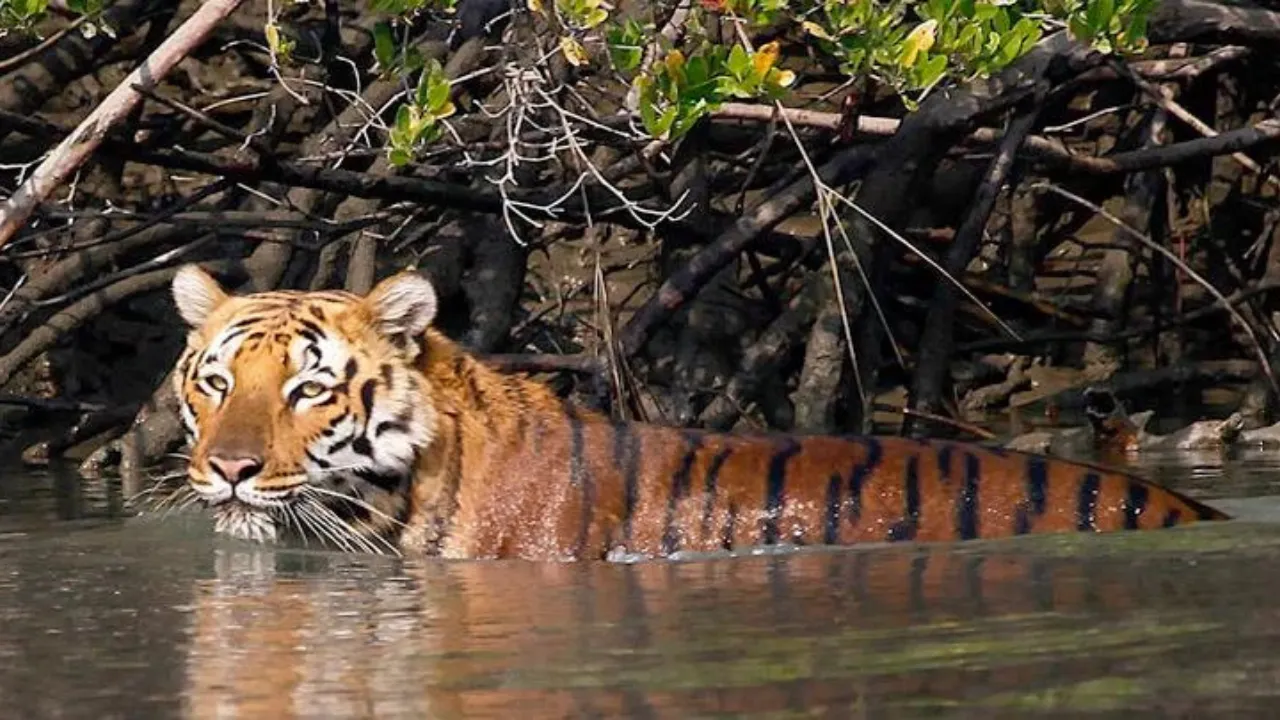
x: 919, y: 40
x: 573, y: 51
x: 763, y: 59
x: 817, y: 30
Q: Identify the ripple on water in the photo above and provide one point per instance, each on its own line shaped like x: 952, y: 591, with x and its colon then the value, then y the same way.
x: 105, y: 616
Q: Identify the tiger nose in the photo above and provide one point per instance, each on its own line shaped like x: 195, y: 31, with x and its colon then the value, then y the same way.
x: 236, y: 470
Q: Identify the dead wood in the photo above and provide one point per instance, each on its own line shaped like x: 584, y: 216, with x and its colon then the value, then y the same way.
x: 937, y: 339
x: 77, y: 147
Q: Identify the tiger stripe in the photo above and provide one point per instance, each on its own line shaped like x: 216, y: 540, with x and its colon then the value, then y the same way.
x: 437, y: 451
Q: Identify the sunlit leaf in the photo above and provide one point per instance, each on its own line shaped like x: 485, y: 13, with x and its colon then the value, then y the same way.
x: 764, y: 59
x: 919, y: 40
x: 573, y: 51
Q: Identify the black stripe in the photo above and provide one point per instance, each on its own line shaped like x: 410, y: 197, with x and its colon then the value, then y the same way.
x: 1087, y: 502
x: 709, y: 484
x: 320, y: 462
x: 905, y: 529
x: 366, y: 397
x: 680, y: 483
x: 245, y: 322
x: 1204, y: 512
x: 579, y: 477
x: 944, y: 462
x: 340, y: 444
x: 349, y: 372
x: 831, y: 529
x: 388, y: 425
x: 776, y: 491
x: 858, y: 476
x: 625, y: 457
x: 310, y: 328
x: 1037, y: 482
x: 382, y: 481
x: 312, y: 352
x: 1134, y: 504
x: 363, y: 446
x: 1037, y: 471
x: 1171, y: 518
x: 967, y: 512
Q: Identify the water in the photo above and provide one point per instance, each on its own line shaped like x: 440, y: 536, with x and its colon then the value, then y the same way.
x: 104, y: 617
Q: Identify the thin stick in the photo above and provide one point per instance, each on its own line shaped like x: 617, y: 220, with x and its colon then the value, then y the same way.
x: 1163, y: 97
x: 1177, y: 262
x: 72, y: 152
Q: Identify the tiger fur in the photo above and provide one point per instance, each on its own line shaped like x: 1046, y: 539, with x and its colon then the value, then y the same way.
x: 351, y: 420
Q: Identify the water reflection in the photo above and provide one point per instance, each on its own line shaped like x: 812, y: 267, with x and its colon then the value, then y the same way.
x: 279, y: 635
x: 160, y: 618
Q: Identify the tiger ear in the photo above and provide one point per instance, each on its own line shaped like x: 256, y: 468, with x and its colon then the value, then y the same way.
x: 402, y: 304
x: 196, y: 294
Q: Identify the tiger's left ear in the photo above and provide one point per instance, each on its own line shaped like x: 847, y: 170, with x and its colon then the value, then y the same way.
x: 196, y: 294
x: 402, y: 304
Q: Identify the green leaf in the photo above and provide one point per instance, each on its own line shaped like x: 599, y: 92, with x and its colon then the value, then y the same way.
x: 438, y: 96
x: 594, y: 18
x: 404, y: 121
x: 1098, y: 15
x: 662, y: 124
x: 739, y: 63
x: 931, y: 70
x: 399, y: 157
x: 384, y: 45
x: 1079, y: 28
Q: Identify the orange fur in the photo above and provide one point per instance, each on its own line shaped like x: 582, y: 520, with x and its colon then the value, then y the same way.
x: 502, y: 467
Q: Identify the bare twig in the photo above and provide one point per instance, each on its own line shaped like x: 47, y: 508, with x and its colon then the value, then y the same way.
x: 1163, y: 97
x: 1177, y: 262
x: 50, y: 404
x: 76, y: 148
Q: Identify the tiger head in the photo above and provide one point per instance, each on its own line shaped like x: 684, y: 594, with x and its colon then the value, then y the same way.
x: 303, y: 409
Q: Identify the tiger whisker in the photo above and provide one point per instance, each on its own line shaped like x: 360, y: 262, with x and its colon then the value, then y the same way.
x: 320, y: 526
x: 366, y: 538
x: 167, y: 502
x: 355, y: 501
x: 324, y: 526
x: 158, y: 483
x: 190, y: 499
x: 356, y: 536
x: 290, y: 511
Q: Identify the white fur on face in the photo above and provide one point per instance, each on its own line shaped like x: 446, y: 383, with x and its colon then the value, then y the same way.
x: 385, y: 424
x: 366, y: 453
x: 214, y: 361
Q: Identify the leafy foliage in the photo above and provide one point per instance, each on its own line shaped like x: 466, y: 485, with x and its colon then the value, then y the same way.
x: 21, y: 15
x: 911, y: 46
x: 418, y: 118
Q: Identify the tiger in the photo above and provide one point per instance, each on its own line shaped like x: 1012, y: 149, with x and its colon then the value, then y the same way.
x: 352, y: 421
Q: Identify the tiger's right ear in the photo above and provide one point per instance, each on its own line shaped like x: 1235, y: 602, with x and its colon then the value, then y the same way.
x: 196, y: 294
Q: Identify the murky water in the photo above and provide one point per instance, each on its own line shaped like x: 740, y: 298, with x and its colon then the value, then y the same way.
x: 104, y: 617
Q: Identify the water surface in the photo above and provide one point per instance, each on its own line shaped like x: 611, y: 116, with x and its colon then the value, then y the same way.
x: 106, y: 616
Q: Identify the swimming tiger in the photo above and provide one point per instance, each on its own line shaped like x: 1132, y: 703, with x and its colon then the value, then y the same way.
x: 351, y: 420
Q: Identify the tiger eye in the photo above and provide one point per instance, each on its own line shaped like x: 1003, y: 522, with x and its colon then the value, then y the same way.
x: 312, y: 389
x: 217, y: 382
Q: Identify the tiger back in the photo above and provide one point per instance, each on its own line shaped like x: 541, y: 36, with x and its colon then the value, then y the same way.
x: 350, y: 420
